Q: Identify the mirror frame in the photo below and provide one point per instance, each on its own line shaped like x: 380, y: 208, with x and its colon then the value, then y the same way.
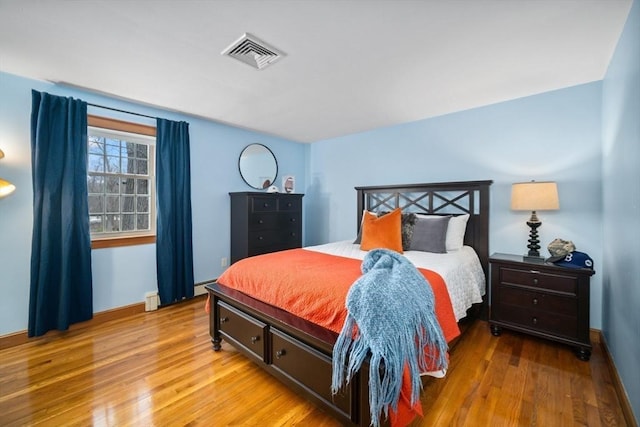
x: 245, y: 176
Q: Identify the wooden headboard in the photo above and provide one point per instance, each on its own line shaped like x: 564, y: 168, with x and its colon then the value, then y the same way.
x: 439, y: 198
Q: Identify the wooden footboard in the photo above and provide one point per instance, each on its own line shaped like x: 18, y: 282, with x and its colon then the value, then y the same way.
x: 295, y: 351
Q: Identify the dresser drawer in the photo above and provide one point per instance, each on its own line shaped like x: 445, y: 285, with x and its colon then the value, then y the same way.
x: 525, y: 298
x: 275, y: 220
x: 290, y: 220
x: 263, y: 221
x: 536, y: 279
x: 539, y: 320
x: 243, y: 330
x: 309, y: 368
x: 264, y: 204
x: 289, y: 204
x: 276, y: 238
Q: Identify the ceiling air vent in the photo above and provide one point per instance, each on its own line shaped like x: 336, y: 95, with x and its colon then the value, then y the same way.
x: 253, y: 51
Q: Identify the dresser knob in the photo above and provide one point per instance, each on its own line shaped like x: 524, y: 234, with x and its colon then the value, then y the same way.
x: 260, y: 221
x: 266, y: 205
x: 255, y: 339
x: 289, y: 205
x: 224, y: 319
x: 534, y: 320
x: 535, y: 301
x: 280, y: 353
x: 292, y: 220
x: 260, y: 238
x: 535, y: 281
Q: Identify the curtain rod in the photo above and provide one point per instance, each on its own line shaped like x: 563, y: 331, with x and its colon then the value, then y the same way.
x: 122, y: 111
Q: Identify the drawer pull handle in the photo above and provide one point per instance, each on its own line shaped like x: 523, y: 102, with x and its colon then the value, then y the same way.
x: 292, y: 220
x: 293, y: 234
x: 289, y: 205
x: 260, y: 222
x: 224, y: 319
x: 266, y: 205
x: 255, y: 339
x: 280, y: 353
x: 535, y: 301
x: 535, y: 281
x: 260, y: 238
x: 534, y: 320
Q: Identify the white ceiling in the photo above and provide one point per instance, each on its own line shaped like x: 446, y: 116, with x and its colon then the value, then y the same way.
x: 351, y: 65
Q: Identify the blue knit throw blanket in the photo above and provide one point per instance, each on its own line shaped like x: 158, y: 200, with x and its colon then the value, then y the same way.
x: 391, y: 316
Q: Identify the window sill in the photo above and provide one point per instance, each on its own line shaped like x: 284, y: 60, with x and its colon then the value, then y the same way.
x: 122, y: 241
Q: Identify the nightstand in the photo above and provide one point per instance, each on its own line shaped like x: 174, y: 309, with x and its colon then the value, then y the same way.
x: 540, y: 299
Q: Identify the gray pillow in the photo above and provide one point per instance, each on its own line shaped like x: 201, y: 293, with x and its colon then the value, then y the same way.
x: 430, y: 234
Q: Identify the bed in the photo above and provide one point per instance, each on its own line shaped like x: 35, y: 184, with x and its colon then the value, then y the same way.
x: 298, y: 351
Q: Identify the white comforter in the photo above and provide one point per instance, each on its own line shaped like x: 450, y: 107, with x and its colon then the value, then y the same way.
x: 461, y: 270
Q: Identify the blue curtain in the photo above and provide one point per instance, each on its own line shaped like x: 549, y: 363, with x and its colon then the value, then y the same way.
x: 61, y: 288
x: 174, y: 248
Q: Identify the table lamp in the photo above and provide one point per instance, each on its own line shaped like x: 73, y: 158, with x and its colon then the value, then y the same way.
x: 534, y: 196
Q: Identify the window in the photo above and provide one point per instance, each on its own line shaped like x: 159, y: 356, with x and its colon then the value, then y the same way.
x: 121, y: 182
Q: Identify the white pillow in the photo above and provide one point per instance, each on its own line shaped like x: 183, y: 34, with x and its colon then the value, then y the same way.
x: 455, y: 231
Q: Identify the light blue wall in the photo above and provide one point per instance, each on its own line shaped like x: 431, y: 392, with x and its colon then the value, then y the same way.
x: 621, y: 207
x: 552, y: 136
x: 121, y: 276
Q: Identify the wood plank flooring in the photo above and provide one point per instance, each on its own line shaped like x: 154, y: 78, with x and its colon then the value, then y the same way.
x: 158, y: 369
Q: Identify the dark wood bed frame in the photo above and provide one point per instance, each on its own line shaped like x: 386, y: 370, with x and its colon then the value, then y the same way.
x: 299, y: 352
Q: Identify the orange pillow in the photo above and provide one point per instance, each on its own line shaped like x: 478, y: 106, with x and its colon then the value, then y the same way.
x: 382, y: 232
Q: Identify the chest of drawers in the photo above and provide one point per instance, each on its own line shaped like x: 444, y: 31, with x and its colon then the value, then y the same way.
x: 540, y: 299
x: 264, y: 222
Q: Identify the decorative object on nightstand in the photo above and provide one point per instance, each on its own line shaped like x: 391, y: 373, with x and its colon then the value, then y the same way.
x: 534, y: 196
x: 559, y: 248
x: 6, y: 187
x: 545, y: 300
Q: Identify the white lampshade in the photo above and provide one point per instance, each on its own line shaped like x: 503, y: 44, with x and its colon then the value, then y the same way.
x: 534, y: 196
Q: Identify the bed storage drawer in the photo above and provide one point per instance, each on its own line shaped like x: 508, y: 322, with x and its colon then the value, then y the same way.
x: 243, y: 330
x: 309, y: 368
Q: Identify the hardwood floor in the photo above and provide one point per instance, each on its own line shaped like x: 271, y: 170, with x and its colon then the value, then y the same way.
x: 158, y: 369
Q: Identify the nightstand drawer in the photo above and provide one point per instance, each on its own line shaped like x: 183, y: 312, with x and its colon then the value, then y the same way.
x: 536, y: 279
x: 539, y: 320
x: 519, y: 297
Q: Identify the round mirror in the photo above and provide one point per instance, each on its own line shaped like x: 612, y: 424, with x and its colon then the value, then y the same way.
x: 258, y: 166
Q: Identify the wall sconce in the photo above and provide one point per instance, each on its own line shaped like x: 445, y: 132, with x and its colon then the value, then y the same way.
x: 534, y: 196
x: 6, y: 187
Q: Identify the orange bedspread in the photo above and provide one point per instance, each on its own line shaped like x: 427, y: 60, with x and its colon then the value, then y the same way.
x: 314, y: 286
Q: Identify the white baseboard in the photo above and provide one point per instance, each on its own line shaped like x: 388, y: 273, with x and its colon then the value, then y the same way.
x: 199, y: 288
